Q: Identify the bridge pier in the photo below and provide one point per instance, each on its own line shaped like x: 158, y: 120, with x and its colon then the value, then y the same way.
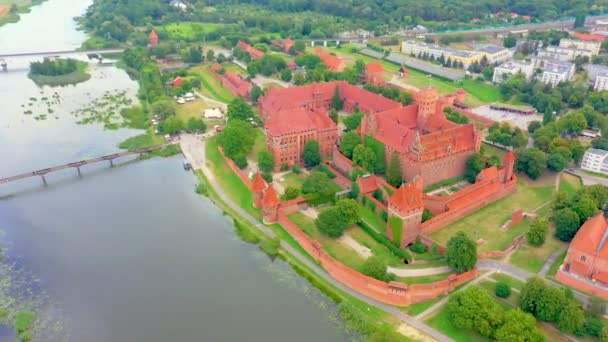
x: 3, y: 65
x: 111, y: 162
x: 79, y: 173
x: 43, y: 180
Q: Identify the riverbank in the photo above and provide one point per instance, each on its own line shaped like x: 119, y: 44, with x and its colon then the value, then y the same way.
x: 9, y: 16
x: 78, y: 76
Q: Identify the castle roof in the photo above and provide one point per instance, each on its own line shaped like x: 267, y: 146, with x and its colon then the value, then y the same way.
x: 367, y: 184
x: 298, y: 120
x: 241, y: 86
x: 332, y: 62
x: 407, y: 197
x: 589, y: 37
x: 591, y: 237
x: 270, y: 198
x: 374, y: 67
x: 445, y: 142
x: 153, y: 35
x: 253, y: 52
x: 259, y: 184
x: 509, y: 156
x: 488, y: 173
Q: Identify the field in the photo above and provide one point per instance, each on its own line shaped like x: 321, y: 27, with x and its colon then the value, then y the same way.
x: 185, y: 30
x: 569, y: 184
x: 292, y: 180
x: 441, y: 321
x: 532, y: 258
x: 486, y: 223
x: 192, y: 109
x: 490, y: 150
x: 210, y: 86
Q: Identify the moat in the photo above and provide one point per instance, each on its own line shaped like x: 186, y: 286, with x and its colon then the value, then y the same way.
x: 129, y: 253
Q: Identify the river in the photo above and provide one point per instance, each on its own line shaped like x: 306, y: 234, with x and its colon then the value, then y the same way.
x: 128, y: 253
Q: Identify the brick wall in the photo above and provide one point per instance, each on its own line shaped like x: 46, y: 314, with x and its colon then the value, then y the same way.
x: 236, y: 169
x: 341, y: 162
x: 485, y: 122
x: 340, y: 180
x: 499, y: 254
x: 580, y: 284
x: 390, y: 293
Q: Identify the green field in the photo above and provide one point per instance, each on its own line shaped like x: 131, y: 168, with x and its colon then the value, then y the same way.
x: 186, y: 30
x: 292, y: 180
x: 532, y: 258
x: 490, y: 150
x: 441, y: 321
x: 372, y: 219
x: 210, y: 86
x: 569, y: 184
x: 486, y: 223
x: 512, y: 282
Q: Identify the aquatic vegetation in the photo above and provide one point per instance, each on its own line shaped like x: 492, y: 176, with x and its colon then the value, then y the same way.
x: 105, y: 110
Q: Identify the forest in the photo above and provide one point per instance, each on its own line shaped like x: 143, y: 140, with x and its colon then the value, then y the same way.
x: 55, y: 67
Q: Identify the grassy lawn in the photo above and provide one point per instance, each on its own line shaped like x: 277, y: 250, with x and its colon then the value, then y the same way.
x: 192, y: 109
x: 486, y: 223
x: 490, y: 150
x: 441, y: 321
x: 142, y: 141
x: 259, y: 145
x: 378, y: 249
x: 372, y: 219
x: 569, y: 183
x: 532, y: 258
x: 292, y: 180
x: 556, y: 264
x: 186, y: 30
x: 430, y: 264
x: 424, y: 279
x: 514, y: 283
x: 210, y: 86
x: 235, y: 68
x: 419, y: 308
x: 305, y: 223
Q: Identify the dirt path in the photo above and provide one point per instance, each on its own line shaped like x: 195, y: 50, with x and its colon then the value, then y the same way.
x: 363, y: 251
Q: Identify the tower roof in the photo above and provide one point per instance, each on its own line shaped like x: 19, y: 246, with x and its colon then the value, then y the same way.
x: 259, y: 184
x: 510, y: 156
x: 270, y: 198
x: 153, y: 35
x: 407, y: 197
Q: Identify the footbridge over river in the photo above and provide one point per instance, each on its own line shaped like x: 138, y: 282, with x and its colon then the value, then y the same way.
x: 77, y: 165
x: 5, y: 57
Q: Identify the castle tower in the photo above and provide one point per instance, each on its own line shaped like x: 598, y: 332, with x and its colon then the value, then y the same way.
x: 427, y: 104
x: 508, y: 164
x: 405, y: 209
x: 270, y: 206
x: 257, y: 188
x: 153, y: 39
x: 461, y: 95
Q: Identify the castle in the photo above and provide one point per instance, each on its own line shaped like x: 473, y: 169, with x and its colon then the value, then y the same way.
x: 427, y: 143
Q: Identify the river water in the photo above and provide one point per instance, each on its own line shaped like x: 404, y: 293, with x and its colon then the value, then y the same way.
x: 128, y: 253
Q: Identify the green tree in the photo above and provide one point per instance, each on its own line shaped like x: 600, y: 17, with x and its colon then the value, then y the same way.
x: 171, y: 125
x: 393, y: 174
x: 319, y: 183
x: 584, y: 206
x: 163, y: 109
x: 286, y: 75
x: 210, y: 55
x: 502, y: 290
x: 538, y: 232
x: 330, y: 223
x: 311, y: 154
x: 567, y: 223
x: 474, y: 309
x: 474, y: 165
x: 364, y: 157
x: 237, y: 138
x: 238, y: 109
x: 542, y: 301
x: 348, y: 143
x: 509, y: 41
x: 256, y: 93
x: 533, y: 126
x: 333, y: 115
x: 571, y: 318
x: 375, y: 267
x: 336, y: 101
x: 461, y: 253
x: 532, y: 161
x: 353, y: 121
x: 349, y: 209
x: 519, y: 326
x: 266, y: 161
x: 196, y: 125
x: 291, y: 193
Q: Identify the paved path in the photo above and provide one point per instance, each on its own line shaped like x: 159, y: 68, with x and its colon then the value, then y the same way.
x: 551, y: 260
x: 210, y: 100
x: 262, y: 81
x: 587, y: 178
x: 413, y: 272
x: 194, y: 150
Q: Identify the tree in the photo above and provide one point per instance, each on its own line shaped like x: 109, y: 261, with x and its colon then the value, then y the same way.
x: 584, y: 206
x: 171, y: 125
x: 333, y: 115
x: 163, y: 109
x: 393, y: 174
x: 474, y: 309
x: 349, y: 209
x: 502, y: 290
x: 238, y: 109
x: 509, y: 41
x: 319, y: 183
x: 571, y: 318
x: 375, y: 267
x: 542, y: 301
x: 256, y: 93
x: 265, y: 161
x: 532, y: 161
x: 364, y: 157
x: 330, y: 223
x: 299, y: 79
x: 530, y: 294
x: 210, y: 55
x: 353, y: 121
x: 311, y: 154
x: 336, y: 102
x: 519, y: 326
x: 533, y: 126
x: 566, y: 223
x: 291, y: 193
x: 348, y: 143
x: 286, y: 75
x: 237, y: 138
x: 196, y: 125
x: 474, y: 165
x: 461, y: 253
x: 538, y: 232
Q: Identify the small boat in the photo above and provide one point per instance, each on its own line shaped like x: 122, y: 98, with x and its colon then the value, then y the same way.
x: 186, y: 164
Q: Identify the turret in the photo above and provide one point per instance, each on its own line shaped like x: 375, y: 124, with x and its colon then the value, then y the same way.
x: 509, y: 165
x: 427, y: 104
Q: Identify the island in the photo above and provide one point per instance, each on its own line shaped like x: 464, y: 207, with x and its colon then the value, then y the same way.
x: 58, y: 72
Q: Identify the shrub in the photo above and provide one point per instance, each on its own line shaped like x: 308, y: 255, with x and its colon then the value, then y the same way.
x: 296, y: 169
x: 419, y: 247
x: 284, y: 167
x: 267, y: 177
x: 201, y: 189
x: 291, y: 193
x: 323, y: 168
x: 372, y: 205
x: 502, y: 290
x: 538, y: 232
x: 271, y: 246
x: 384, y: 215
x: 376, y: 268
x: 435, y: 248
x: 240, y: 161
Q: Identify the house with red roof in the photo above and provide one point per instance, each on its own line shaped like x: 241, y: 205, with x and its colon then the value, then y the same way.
x: 588, y: 37
x: 236, y: 84
x: 253, y: 52
x: 586, y: 264
x: 285, y: 44
x: 153, y: 39
x: 177, y: 82
x: 374, y: 73
x: 332, y: 62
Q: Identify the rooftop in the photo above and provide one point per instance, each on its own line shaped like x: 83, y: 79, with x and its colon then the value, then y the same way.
x: 591, y: 237
x: 489, y: 48
x: 597, y: 152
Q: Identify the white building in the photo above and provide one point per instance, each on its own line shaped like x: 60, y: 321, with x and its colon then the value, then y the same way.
x: 563, y: 54
x: 179, y: 4
x: 592, y: 46
x: 506, y: 70
x: 494, y: 53
x: 555, y: 72
x: 416, y: 48
x: 601, y: 82
x: 595, y: 160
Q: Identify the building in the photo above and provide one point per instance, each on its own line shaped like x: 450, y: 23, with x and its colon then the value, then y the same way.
x: 332, y: 62
x: 285, y: 44
x: 153, y: 39
x: 595, y: 160
x: 494, y: 53
x: 555, y: 72
x: 590, y: 45
x: 236, y: 84
x: 253, y: 52
x: 506, y: 70
x: 588, y: 37
x: 374, y: 73
x: 563, y: 54
x: 597, y: 75
x: 586, y: 264
x: 601, y: 82
x: 417, y: 48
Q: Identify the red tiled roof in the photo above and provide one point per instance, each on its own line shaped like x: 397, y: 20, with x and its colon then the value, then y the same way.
x: 407, y: 197
x: 332, y: 62
x: 438, y: 122
x: 488, y: 173
x: 443, y: 143
x: 298, y: 120
x: 236, y: 83
x: 590, y: 237
x: 374, y: 67
x: 367, y: 184
x: 602, y: 276
x: 270, y: 198
x: 509, y: 156
x: 589, y: 37
x: 259, y: 184
x: 253, y: 52
x: 153, y: 35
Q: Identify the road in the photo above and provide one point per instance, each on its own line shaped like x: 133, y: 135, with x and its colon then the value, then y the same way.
x: 194, y: 150
x: 587, y: 178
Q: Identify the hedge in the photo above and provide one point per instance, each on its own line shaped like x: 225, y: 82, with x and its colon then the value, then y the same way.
x: 323, y: 168
x: 381, y: 238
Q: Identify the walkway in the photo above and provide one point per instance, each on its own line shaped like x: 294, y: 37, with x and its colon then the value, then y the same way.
x: 194, y: 150
x: 413, y: 272
x: 222, y: 105
x: 551, y: 260
x: 587, y: 178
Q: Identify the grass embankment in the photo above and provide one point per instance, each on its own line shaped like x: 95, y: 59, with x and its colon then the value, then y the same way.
x: 194, y: 109
x: 569, y: 184
x: 532, y: 258
x: 486, y: 223
x: 490, y: 150
x: 210, y: 86
x: 78, y: 76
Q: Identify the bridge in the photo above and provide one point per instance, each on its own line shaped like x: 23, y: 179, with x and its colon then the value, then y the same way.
x: 77, y: 165
x: 97, y: 53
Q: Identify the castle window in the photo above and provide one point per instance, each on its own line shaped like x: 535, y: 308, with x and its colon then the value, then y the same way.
x: 583, y: 258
